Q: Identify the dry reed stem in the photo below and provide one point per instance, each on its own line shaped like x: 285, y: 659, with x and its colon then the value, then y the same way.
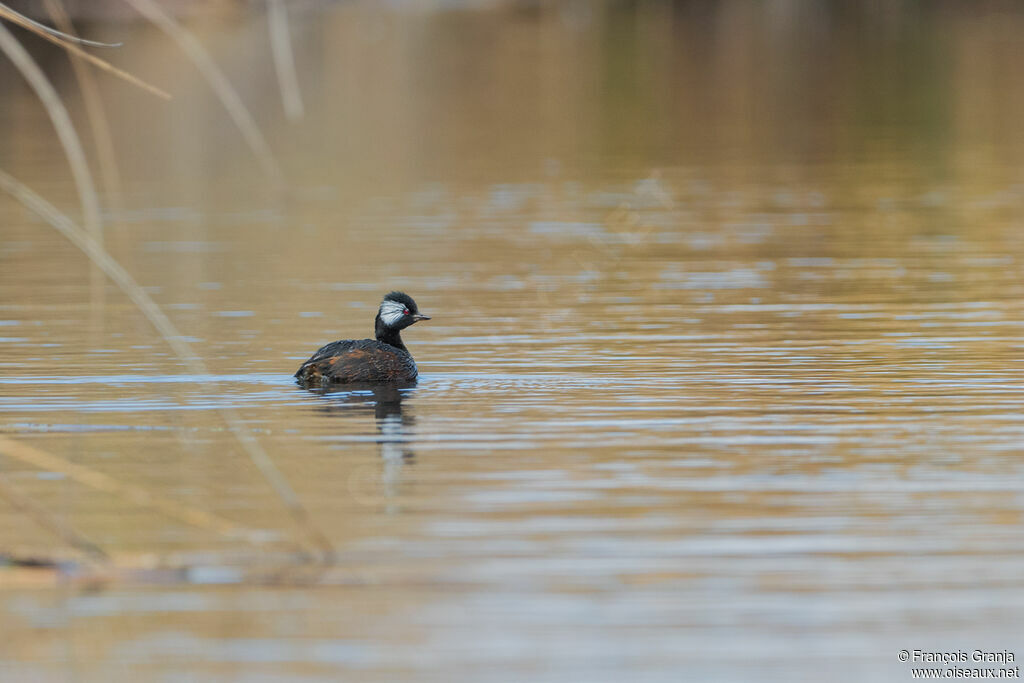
x: 15, y: 18
x: 69, y: 139
x: 98, y: 255
x: 94, y: 109
x: 45, y: 519
x: 220, y: 84
x: 284, y: 59
x: 63, y: 35
x: 104, y: 482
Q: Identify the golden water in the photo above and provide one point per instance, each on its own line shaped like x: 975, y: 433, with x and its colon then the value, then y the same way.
x: 723, y: 381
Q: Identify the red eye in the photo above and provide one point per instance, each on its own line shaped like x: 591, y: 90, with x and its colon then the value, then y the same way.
x: 405, y: 312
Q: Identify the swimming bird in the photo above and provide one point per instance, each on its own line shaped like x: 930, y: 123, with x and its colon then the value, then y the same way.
x: 384, y: 359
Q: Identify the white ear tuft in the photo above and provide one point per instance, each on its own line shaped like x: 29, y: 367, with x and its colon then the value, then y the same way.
x: 391, y: 312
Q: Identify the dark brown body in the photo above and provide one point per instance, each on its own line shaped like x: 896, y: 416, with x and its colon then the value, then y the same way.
x: 364, y: 360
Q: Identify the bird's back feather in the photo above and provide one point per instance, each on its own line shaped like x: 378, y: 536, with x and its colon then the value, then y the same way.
x: 357, y: 360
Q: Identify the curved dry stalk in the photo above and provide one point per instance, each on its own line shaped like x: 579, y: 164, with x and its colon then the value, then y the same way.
x: 94, y: 110
x: 15, y: 18
x: 98, y: 255
x: 43, y: 518
x: 7, y: 12
x: 284, y: 59
x: 220, y: 84
x: 62, y: 124
x: 136, y: 494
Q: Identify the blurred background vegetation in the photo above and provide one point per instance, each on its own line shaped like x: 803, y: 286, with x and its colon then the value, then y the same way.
x: 494, y: 90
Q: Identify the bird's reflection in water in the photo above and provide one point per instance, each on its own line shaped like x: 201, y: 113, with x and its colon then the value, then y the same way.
x: 395, y: 428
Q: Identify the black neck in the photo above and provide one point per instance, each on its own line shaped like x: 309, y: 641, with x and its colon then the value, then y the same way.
x: 388, y: 335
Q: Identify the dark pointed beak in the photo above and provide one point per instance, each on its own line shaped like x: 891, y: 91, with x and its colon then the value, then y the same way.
x: 419, y: 316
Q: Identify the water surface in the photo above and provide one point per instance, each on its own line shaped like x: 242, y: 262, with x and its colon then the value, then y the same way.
x: 723, y: 380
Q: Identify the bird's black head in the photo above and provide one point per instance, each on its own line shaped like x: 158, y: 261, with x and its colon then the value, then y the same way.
x: 397, y: 311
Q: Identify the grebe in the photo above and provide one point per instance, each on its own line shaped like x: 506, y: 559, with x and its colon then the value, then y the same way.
x: 384, y: 359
